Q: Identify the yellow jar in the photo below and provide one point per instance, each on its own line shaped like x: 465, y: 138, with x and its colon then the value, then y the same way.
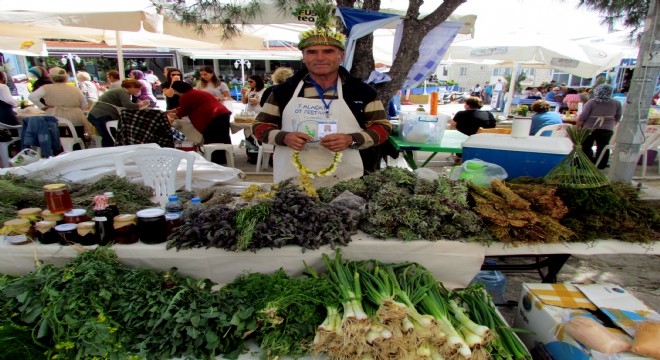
x: 32, y: 214
x: 87, y: 233
x: 46, y: 215
x: 18, y: 231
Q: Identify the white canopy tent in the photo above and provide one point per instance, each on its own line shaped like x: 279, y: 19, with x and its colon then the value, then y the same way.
x: 23, y: 46
x: 573, y: 57
x: 115, y: 23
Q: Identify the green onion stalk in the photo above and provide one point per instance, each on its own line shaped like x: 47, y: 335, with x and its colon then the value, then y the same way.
x: 502, y: 343
x: 355, y: 323
x: 436, y: 304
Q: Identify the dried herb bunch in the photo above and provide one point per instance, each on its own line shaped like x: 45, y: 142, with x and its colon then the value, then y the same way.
x: 402, y: 205
x: 610, y: 212
x: 523, y: 213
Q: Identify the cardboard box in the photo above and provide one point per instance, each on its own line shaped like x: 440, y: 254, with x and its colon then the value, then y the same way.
x: 539, y: 313
x: 534, y: 156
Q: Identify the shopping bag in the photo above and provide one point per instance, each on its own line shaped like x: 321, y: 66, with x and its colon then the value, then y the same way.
x: 24, y: 157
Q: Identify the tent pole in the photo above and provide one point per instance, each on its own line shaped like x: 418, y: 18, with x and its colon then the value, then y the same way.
x: 120, y: 56
x: 512, y: 88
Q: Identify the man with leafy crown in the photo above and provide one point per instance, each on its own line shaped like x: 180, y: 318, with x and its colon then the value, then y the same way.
x: 324, y: 122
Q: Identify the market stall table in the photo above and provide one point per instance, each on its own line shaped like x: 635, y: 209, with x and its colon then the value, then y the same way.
x: 450, y: 143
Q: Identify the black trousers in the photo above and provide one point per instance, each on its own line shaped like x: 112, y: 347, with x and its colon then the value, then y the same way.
x: 602, y: 138
x: 218, y: 132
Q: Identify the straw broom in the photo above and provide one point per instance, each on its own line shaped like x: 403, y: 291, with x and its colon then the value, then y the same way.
x: 576, y: 170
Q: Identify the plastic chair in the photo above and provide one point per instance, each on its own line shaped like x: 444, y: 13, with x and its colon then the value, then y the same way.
x: 4, y: 146
x: 557, y: 130
x: 227, y: 148
x: 158, y: 168
x: 69, y: 142
x: 112, y: 126
x: 651, y: 142
x: 262, y: 161
x: 494, y: 131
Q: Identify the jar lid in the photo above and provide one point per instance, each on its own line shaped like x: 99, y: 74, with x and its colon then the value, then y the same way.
x: 124, y: 217
x: 85, y: 225
x: 150, y: 213
x: 171, y: 216
x: 17, y: 222
x: 51, y: 187
x: 29, y: 211
x: 65, y: 227
x: 44, y: 225
x: 76, y: 212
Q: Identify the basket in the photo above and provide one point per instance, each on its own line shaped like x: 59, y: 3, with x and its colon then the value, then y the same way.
x: 243, y: 119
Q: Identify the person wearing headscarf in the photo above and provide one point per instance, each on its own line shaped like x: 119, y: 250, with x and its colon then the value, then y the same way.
x: 602, y: 113
x: 146, y: 93
x: 63, y: 100
x: 42, y: 77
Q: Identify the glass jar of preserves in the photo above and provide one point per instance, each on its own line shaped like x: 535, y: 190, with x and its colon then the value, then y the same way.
x: 68, y: 233
x: 103, y: 219
x: 45, y: 232
x: 58, y: 199
x: 76, y: 216
x: 86, y: 233
x: 173, y: 221
x: 151, y: 226
x: 32, y: 214
x: 46, y: 215
x: 18, y: 231
x: 125, y: 229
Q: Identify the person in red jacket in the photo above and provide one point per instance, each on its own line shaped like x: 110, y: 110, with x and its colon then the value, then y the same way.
x: 206, y: 114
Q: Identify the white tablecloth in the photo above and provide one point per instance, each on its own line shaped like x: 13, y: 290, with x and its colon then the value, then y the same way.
x: 453, y: 262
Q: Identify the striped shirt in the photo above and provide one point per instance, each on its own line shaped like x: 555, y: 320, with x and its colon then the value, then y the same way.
x: 376, y: 128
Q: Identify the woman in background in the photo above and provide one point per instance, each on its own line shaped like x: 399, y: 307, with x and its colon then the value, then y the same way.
x: 145, y: 93
x: 114, y: 81
x: 42, y: 77
x: 171, y: 97
x: 602, y: 113
x: 87, y: 87
x: 63, y: 101
x: 279, y: 76
x: 210, y: 82
x: 7, y: 103
x: 543, y: 117
x: 252, y: 96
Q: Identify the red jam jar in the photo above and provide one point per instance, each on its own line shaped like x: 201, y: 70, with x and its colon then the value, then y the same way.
x: 125, y: 229
x: 58, y: 199
x: 87, y: 233
x: 76, y: 216
x: 45, y: 232
x: 152, y: 226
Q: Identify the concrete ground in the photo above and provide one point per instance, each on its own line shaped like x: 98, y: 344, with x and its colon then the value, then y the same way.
x: 640, y: 274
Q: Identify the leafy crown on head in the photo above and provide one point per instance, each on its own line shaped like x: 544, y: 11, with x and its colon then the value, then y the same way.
x: 322, y: 34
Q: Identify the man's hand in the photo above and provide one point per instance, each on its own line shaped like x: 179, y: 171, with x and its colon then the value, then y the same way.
x: 296, y: 140
x: 337, y: 142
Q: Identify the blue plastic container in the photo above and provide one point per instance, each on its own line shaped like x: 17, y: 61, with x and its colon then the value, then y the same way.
x: 494, y: 281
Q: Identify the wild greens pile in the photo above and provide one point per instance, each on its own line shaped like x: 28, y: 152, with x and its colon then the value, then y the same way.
x: 96, y: 307
x: 402, y: 205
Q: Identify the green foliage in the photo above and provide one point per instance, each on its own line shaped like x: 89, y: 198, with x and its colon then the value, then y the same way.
x: 612, y: 211
x: 631, y: 12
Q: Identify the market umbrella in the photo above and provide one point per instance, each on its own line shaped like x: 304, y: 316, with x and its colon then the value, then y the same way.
x: 573, y: 57
x: 23, y: 46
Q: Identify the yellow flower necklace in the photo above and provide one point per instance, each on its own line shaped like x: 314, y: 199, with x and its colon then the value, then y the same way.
x: 323, y: 172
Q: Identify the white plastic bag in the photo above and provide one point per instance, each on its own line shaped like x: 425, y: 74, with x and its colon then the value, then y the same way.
x: 24, y: 157
x: 478, y: 172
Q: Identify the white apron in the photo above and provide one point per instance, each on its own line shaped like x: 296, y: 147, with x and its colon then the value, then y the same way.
x: 305, y: 115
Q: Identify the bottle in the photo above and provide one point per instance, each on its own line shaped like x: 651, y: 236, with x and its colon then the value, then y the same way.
x: 494, y: 281
x: 195, y: 203
x: 58, y: 199
x: 112, y: 203
x: 173, y: 205
x: 103, y: 220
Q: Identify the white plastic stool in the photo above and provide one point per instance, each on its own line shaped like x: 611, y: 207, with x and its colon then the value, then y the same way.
x: 228, y: 149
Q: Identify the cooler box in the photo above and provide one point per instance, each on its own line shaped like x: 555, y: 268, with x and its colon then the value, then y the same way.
x: 533, y: 156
